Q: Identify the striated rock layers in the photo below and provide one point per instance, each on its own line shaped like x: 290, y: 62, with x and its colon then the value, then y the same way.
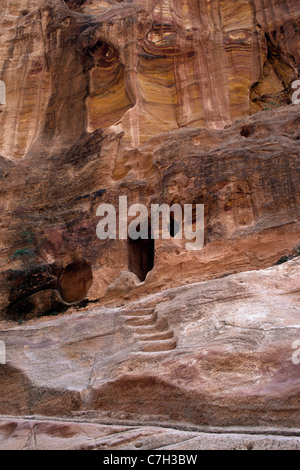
x: 162, y: 101
x: 149, y: 99
x: 212, y: 357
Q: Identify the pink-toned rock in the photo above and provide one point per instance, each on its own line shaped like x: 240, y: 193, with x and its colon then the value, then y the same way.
x: 38, y: 434
x: 218, y: 353
x: 162, y: 101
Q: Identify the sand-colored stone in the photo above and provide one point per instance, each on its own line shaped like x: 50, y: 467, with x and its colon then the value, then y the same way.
x: 43, y: 434
x: 246, y: 176
x: 163, y: 101
x: 217, y: 353
x: 141, y: 98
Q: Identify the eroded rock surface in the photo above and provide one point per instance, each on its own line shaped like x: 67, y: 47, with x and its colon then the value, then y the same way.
x: 163, y: 101
x: 150, y: 100
x: 218, y: 353
x: 37, y: 434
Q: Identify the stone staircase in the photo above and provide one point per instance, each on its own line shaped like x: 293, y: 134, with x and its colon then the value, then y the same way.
x: 150, y: 333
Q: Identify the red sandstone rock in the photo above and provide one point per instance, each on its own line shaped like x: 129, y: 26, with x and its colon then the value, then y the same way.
x: 163, y: 101
x: 37, y: 434
x: 217, y: 353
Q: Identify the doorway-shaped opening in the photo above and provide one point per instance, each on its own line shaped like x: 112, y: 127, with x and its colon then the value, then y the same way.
x: 141, y: 257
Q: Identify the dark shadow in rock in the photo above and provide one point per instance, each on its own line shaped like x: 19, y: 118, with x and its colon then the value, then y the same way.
x: 75, y: 281
x: 141, y: 257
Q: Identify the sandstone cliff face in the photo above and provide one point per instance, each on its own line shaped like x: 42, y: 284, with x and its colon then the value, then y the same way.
x: 163, y: 101
x: 109, y: 98
x: 213, y: 356
x: 144, y: 66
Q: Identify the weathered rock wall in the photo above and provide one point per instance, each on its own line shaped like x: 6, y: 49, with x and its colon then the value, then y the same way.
x: 145, y: 66
x: 217, y: 353
x: 149, y: 99
x: 163, y: 101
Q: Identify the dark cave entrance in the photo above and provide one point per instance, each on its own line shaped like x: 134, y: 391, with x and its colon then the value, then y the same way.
x: 141, y: 256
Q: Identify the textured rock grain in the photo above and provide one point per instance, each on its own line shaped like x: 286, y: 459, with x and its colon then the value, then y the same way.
x: 163, y: 101
x: 37, y: 434
x: 226, y: 360
x: 149, y: 99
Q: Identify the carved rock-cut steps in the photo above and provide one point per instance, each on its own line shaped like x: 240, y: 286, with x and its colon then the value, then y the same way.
x: 150, y: 333
x: 157, y: 346
x: 148, y: 320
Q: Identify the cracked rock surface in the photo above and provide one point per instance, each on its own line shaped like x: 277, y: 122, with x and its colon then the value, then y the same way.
x: 230, y: 363
x: 116, y: 344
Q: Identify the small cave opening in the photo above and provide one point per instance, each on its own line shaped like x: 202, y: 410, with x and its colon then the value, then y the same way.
x: 75, y: 281
x: 247, y: 131
x: 141, y: 255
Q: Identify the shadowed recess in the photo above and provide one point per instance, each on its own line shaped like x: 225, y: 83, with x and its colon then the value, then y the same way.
x: 76, y: 281
x: 141, y: 257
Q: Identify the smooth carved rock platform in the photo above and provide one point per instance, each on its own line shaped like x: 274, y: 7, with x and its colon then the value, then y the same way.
x: 112, y: 344
x: 226, y: 381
